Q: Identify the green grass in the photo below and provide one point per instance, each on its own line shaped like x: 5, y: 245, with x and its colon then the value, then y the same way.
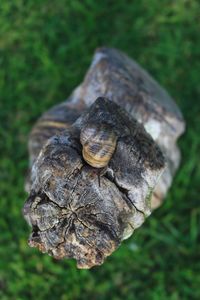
x: 45, y: 50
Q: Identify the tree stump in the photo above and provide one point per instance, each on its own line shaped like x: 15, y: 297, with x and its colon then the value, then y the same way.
x: 79, y: 211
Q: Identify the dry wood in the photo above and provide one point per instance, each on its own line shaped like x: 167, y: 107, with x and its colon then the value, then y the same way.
x: 76, y: 211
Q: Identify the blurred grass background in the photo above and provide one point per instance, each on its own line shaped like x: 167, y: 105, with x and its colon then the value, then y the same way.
x: 45, y: 50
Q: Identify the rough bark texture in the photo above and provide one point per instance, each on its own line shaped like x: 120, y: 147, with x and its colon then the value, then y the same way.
x: 71, y: 214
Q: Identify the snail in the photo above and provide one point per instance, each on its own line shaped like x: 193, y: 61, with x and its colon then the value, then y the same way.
x: 99, y: 142
x: 120, y: 124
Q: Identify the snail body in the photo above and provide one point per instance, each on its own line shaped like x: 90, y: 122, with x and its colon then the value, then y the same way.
x: 99, y: 143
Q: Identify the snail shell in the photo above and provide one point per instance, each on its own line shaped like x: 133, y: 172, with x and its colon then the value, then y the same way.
x: 99, y: 143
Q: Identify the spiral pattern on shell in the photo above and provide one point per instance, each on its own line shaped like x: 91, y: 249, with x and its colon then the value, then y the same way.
x: 99, y: 143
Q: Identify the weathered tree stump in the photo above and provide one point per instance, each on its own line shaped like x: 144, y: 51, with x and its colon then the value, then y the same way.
x: 82, y: 212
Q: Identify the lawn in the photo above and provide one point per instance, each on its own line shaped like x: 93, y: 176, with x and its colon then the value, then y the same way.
x: 45, y: 50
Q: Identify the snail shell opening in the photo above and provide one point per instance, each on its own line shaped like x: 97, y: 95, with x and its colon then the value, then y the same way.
x: 99, y: 143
